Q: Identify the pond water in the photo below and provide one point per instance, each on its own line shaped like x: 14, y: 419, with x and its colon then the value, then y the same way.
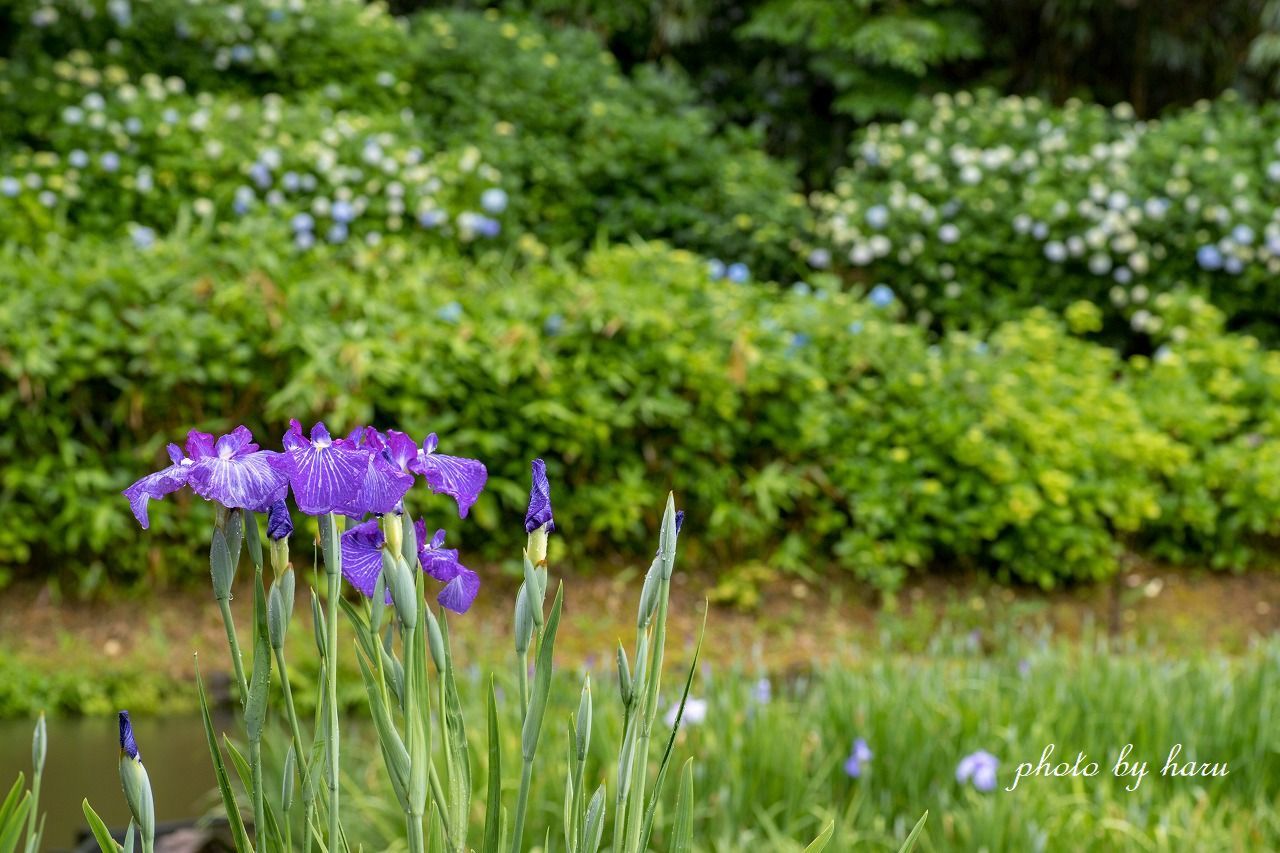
x: 83, y: 761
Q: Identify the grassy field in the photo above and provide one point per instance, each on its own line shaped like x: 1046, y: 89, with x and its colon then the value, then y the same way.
x: 941, y: 672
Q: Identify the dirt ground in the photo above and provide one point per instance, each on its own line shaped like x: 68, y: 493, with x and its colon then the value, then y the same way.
x: 795, y: 626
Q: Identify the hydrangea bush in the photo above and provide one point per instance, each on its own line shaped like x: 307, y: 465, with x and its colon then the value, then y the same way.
x: 977, y: 207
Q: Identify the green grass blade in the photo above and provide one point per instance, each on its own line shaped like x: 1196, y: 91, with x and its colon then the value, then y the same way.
x: 272, y: 829
x: 101, y: 834
x: 493, y: 804
x: 11, y: 800
x: 671, y: 741
x: 910, y: 843
x: 457, y: 752
x: 238, y: 833
x: 11, y: 829
x: 820, y: 843
x: 682, y: 832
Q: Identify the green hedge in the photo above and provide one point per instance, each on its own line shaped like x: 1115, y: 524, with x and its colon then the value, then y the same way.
x: 800, y: 427
x: 979, y: 207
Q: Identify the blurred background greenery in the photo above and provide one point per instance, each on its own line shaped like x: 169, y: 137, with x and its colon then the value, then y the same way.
x: 887, y: 290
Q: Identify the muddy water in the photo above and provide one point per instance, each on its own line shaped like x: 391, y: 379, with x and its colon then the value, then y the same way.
x: 83, y: 761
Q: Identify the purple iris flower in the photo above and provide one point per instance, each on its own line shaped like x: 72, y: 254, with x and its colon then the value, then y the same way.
x: 461, y: 585
x: 362, y: 557
x: 460, y: 478
x: 858, y: 756
x: 326, y: 473
x: 156, y: 486
x: 235, y: 473
x: 539, y: 512
x: 384, y: 484
x: 362, y: 564
x: 279, y: 522
x: 980, y: 768
x: 762, y: 691
x: 231, y: 471
x: 128, y: 745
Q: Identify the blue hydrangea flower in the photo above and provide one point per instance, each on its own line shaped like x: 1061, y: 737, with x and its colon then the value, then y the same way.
x: 260, y: 174
x: 979, y: 768
x: 337, y: 233
x: 302, y: 222
x: 290, y: 181
x: 881, y: 296
x: 128, y: 745
x: 494, y: 200
x: 78, y: 158
x: 1243, y: 235
x: 858, y: 756
x: 10, y: 186
x: 1233, y: 265
x: 342, y: 211
x: 279, y: 522
x: 1209, y: 258
x: 450, y: 313
x: 304, y: 240
x: 539, y: 511
x: 487, y: 227
x: 820, y: 259
x: 110, y: 161
x: 553, y: 325
x: 878, y: 216
x: 458, y: 477
x: 325, y: 473
x: 430, y: 218
x: 949, y: 233
x: 142, y: 236
x: 715, y: 269
x: 738, y: 273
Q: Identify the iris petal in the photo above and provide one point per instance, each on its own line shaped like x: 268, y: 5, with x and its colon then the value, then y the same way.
x: 459, y: 478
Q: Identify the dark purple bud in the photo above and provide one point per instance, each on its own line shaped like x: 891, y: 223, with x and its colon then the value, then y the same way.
x: 539, y: 512
x: 128, y: 745
x: 279, y: 522
x: 679, y: 520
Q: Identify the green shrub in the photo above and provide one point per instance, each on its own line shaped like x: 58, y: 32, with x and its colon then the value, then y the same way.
x: 583, y: 150
x: 802, y: 424
x: 979, y: 207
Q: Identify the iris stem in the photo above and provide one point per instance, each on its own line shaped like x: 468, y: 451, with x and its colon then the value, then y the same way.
x: 255, y: 765
x: 334, y: 567
x: 522, y: 805
x: 224, y: 604
x: 417, y: 843
x: 299, y: 756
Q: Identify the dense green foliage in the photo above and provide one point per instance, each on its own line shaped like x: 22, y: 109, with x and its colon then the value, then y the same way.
x: 800, y: 423
x: 583, y: 150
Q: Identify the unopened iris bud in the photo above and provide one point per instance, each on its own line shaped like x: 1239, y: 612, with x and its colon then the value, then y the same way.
x: 222, y: 567
x: 534, y: 592
x: 435, y: 640
x: 280, y: 608
x: 649, y: 594
x: 39, y: 744
x: 393, y: 531
x: 403, y: 593
x: 624, y: 676
x: 279, y: 522
x: 136, y: 785
x: 524, y: 621
x: 582, y: 727
x: 538, y: 519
